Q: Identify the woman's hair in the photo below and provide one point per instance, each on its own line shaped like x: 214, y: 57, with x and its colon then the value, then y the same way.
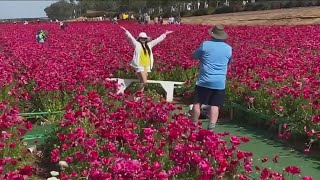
x: 145, y: 47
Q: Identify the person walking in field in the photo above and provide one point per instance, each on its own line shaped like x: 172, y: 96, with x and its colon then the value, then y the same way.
x: 41, y: 36
x: 214, y: 56
x: 143, y: 57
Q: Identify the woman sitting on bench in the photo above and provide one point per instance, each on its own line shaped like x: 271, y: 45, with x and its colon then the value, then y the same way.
x: 143, y: 58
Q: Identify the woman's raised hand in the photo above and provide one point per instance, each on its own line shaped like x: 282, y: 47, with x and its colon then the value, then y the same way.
x: 123, y: 28
x: 168, y: 32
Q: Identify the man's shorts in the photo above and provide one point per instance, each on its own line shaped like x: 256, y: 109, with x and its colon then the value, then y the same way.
x: 211, y: 97
x: 143, y: 69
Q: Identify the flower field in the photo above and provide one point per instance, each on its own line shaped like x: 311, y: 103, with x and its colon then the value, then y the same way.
x: 275, y: 71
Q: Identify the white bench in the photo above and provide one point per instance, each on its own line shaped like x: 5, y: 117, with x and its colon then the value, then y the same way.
x: 168, y: 86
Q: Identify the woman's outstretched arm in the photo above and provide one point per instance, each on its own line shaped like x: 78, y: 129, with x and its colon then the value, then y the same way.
x: 159, y: 39
x: 129, y: 35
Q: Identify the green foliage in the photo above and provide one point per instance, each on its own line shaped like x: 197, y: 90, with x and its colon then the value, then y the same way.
x: 60, y: 10
x: 201, y: 12
x: 256, y: 7
x: 223, y: 9
x: 64, y: 9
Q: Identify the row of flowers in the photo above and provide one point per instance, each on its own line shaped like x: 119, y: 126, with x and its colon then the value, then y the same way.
x: 129, y: 139
x: 274, y: 72
x: 145, y: 140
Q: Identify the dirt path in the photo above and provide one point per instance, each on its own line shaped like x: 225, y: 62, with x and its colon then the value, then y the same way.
x: 295, y: 16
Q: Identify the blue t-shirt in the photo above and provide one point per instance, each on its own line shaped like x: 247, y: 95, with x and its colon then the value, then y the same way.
x: 214, y: 56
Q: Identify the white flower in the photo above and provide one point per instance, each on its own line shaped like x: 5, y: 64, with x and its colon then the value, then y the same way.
x: 63, y: 164
x: 54, y: 173
x: 53, y: 178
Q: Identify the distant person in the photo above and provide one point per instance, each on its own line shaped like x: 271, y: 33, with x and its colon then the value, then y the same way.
x: 41, y: 36
x: 146, y: 18
x: 171, y: 20
x: 63, y: 25
x: 25, y: 23
x: 115, y: 20
x: 156, y: 20
x: 160, y: 20
x: 140, y: 19
x: 132, y: 17
x: 214, y: 56
x: 178, y: 19
x: 143, y: 57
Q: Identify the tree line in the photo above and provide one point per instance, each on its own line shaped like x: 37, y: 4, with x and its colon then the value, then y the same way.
x: 64, y: 9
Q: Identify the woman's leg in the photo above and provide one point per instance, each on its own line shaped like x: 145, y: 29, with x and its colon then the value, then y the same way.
x: 142, y: 76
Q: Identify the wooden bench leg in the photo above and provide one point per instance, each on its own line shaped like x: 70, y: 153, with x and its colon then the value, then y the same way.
x: 168, y: 87
x: 231, y: 113
x: 280, y: 129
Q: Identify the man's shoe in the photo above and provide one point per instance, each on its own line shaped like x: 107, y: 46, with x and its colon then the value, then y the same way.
x: 211, y: 126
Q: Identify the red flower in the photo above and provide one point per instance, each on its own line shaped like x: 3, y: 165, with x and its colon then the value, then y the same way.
x: 306, y: 178
x: 240, y: 155
x: 235, y: 140
x: 26, y: 170
x: 316, y: 119
x: 13, y: 162
x: 93, y: 155
x: 293, y: 170
x: 242, y: 177
x: 55, y: 155
x: 264, y: 174
x: 275, y: 159
x: 12, y: 145
x: 28, y: 125
x: 245, y: 139
x: 257, y: 168
x: 264, y: 159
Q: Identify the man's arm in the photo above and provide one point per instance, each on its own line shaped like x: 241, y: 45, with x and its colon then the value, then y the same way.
x: 230, y: 58
x: 198, y: 52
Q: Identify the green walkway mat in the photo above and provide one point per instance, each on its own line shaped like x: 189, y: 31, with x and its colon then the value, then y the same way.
x: 36, y: 136
x: 263, y: 147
